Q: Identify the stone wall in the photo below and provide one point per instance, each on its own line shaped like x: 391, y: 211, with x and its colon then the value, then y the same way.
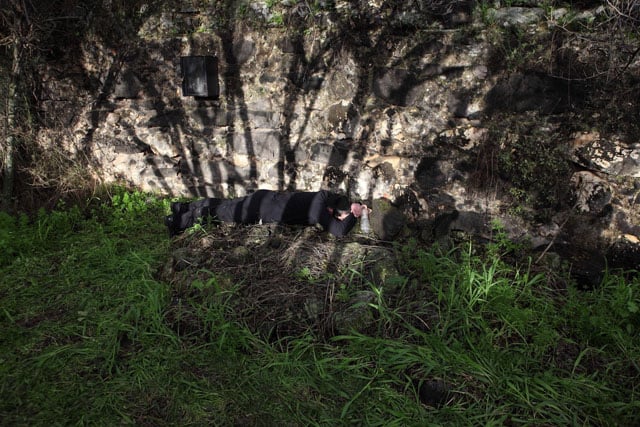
x: 296, y: 109
x: 401, y: 106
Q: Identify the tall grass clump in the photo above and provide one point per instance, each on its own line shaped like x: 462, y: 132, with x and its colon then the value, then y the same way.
x: 507, y: 346
x: 83, y: 331
x: 77, y: 294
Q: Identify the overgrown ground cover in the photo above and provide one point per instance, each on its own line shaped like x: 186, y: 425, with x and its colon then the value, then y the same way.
x: 90, y: 333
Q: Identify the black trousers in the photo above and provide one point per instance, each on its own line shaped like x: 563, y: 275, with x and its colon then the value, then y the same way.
x: 241, y: 210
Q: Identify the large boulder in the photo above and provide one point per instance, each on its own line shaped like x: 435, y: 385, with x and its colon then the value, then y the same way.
x: 387, y: 221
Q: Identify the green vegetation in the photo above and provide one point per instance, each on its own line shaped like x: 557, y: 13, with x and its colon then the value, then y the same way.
x: 536, y: 166
x: 92, y: 333
x: 530, y: 161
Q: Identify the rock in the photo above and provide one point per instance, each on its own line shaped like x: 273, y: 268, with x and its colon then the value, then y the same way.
x: 313, y: 83
x: 442, y: 225
x: 559, y: 13
x: 127, y: 86
x: 264, y: 118
x: 516, y: 16
x: 624, y: 253
x: 384, y: 272
x: 204, y: 117
x: 159, y: 140
x: 243, y: 50
x: 434, y: 393
x: 385, y: 171
x: 471, y: 222
x: 165, y: 119
x: 606, y: 155
x: 396, y: 86
x: 585, y: 265
x: 592, y: 193
x: 627, y: 221
x: 181, y: 259
x: 528, y: 92
x: 288, y: 45
x: 264, y: 144
x: 352, y: 252
x: 339, y: 116
x: 386, y: 220
x: 330, y: 155
x: 431, y: 173
x: 240, y: 254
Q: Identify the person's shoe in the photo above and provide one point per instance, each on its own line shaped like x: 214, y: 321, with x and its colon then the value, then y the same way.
x: 169, y: 222
x: 178, y: 208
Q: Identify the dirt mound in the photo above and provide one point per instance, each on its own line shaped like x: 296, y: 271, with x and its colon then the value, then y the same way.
x: 279, y: 281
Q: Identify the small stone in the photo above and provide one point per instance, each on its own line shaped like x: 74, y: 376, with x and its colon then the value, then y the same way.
x: 434, y: 393
x: 240, y: 253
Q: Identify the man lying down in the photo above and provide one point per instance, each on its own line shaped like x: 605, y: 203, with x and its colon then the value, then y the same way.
x: 332, y: 211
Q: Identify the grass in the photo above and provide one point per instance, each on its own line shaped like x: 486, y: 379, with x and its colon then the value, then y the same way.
x: 91, y: 332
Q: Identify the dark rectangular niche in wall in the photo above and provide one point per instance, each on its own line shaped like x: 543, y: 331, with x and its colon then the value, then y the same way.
x: 200, y: 76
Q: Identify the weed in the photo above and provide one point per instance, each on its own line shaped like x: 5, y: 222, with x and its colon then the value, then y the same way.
x: 277, y: 19
x: 342, y: 294
x: 533, y: 164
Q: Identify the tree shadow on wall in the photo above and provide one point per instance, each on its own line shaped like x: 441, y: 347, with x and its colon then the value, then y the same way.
x: 131, y: 77
x: 234, y: 96
x: 123, y: 81
x: 381, y: 73
x: 86, y: 47
x: 394, y: 80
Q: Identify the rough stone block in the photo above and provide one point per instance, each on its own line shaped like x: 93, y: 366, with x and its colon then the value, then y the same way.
x: 327, y: 154
x: 127, y: 86
x: 262, y: 144
x: 396, y: 86
x: 204, y: 117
